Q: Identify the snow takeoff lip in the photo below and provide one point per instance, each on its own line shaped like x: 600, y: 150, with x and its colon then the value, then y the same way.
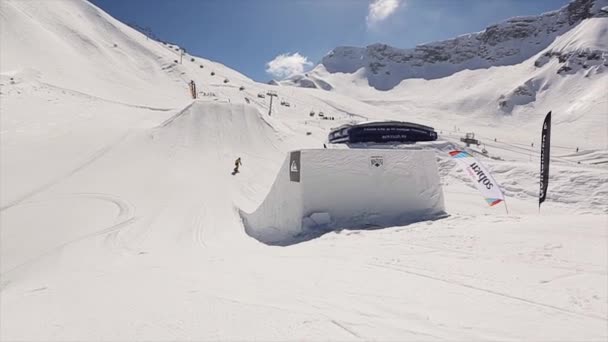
x: 321, y: 190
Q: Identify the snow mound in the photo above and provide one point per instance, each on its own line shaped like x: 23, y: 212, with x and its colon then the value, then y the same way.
x: 345, y: 188
x: 219, y: 128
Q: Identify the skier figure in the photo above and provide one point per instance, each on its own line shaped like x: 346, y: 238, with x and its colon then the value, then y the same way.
x: 237, y: 163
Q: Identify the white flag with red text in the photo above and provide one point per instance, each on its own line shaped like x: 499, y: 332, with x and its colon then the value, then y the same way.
x: 480, y: 176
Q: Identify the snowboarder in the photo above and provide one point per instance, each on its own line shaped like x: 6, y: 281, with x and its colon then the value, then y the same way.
x: 237, y: 163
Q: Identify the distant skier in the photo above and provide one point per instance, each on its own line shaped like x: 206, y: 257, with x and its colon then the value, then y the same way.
x: 237, y: 163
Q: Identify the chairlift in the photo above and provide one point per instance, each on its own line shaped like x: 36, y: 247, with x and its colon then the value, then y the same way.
x: 469, y: 139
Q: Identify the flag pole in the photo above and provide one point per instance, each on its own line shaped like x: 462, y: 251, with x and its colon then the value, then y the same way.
x: 506, y: 207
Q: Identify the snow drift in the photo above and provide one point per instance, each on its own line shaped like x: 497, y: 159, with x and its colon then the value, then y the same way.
x: 349, y: 188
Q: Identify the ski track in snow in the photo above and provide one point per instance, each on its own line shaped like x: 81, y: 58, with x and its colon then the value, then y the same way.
x: 124, y: 218
x: 93, y: 97
x: 505, y: 295
x: 90, y: 160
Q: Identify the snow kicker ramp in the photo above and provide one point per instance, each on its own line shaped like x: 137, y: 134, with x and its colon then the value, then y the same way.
x: 321, y: 190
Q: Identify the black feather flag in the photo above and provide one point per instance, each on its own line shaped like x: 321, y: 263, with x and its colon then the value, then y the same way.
x: 545, y: 153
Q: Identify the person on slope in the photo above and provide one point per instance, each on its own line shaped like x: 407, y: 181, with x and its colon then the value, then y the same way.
x: 237, y: 163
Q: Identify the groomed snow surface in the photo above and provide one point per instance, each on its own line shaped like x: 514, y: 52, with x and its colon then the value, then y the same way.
x: 120, y: 218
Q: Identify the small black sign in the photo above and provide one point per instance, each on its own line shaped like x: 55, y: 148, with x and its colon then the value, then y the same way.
x: 377, y: 161
x: 294, y: 166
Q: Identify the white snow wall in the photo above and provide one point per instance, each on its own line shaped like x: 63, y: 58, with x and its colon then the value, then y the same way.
x: 343, y: 188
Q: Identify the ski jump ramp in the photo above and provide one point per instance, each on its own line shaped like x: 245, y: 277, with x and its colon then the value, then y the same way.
x: 326, y: 189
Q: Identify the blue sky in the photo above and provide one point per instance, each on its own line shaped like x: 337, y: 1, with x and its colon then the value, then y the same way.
x: 247, y: 34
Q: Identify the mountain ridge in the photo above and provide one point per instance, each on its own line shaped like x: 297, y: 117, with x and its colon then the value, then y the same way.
x: 509, y: 42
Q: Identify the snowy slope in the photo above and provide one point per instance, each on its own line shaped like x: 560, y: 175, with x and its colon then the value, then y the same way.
x: 119, y: 216
x: 53, y: 44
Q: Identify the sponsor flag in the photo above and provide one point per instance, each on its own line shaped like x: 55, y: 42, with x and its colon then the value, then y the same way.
x: 545, y: 155
x: 480, y: 176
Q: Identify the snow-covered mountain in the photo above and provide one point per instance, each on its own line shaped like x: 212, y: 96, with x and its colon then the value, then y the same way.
x: 510, y: 73
x: 120, y: 218
x: 508, y: 43
x: 54, y: 44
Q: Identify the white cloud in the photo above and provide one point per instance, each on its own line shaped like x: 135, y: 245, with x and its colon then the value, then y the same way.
x: 286, y: 65
x: 380, y: 10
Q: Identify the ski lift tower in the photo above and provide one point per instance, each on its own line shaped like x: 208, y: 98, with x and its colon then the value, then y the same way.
x: 271, y: 94
x: 469, y: 139
x: 182, y: 52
